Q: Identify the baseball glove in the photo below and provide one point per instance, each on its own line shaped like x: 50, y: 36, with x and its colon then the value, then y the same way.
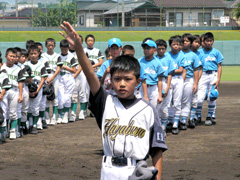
x: 32, y: 88
x: 51, y: 96
x: 46, y: 89
x: 142, y: 172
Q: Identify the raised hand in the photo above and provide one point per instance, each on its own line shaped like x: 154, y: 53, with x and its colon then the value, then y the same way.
x: 71, y: 35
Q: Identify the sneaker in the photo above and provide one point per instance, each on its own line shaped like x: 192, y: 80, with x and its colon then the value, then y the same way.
x: 3, y: 139
x: 18, y: 133
x: 64, y: 120
x: 208, y: 122
x: 12, y: 135
x: 48, y: 121
x: 199, y: 120
x: 214, y: 116
x: 182, y: 126
x: 81, y: 115
x: 191, y: 123
x: 169, y: 126
x: 59, y: 120
x: 86, y: 114
x: 213, y: 121
x: 44, y: 124
x: 53, y: 122
x: 175, y: 131
x: 34, y: 130
x: 39, y: 124
x: 72, y: 118
x: 195, y: 121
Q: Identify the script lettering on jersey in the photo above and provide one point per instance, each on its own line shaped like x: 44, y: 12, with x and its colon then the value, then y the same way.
x: 51, y: 62
x: 92, y: 57
x: 36, y: 73
x: 112, y: 129
x: 150, y: 71
x: 12, y: 77
x: 210, y: 59
x: 65, y: 63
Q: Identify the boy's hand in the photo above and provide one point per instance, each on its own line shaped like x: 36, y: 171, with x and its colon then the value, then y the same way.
x: 72, y: 37
x: 20, y: 99
x: 216, y: 84
x: 146, y: 98
x: 108, y: 69
x: 49, y: 81
x: 159, y: 99
x: 1, y: 97
x: 165, y: 92
x: 195, y: 87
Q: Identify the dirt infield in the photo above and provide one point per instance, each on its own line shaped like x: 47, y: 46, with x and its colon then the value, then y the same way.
x: 73, y: 151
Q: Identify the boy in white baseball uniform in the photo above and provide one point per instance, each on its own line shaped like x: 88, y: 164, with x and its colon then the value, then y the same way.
x: 137, y: 118
x: 169, y: 68
x: 14, y: 96
x: 212, y: 70
x: 39, y: 75
x: 191, y: 82
x: 66, y: 82
x: 55, y: 62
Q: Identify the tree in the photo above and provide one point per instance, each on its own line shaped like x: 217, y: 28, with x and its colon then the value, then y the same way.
x: 237, y: 11
x: 53, y: 17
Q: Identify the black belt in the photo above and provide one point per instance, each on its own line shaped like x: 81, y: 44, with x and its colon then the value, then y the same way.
x: 210, y: 72
x: 119, y: 161
x: 149, y: 85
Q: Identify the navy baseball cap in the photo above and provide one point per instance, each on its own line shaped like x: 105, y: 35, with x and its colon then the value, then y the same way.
x: 150, y: 43
x: 115, y: 41
x: 213, y: 94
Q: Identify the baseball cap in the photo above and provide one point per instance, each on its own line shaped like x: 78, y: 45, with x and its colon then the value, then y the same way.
x: 150, y: 43
x: 114, y: 41
x: 213, y: 94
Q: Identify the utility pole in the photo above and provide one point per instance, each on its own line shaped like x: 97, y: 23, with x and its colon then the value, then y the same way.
x: 16, y: 3
x: 160, y: 6
x: 117, y: 14
x: 123, y: 14
x: 203, y: 12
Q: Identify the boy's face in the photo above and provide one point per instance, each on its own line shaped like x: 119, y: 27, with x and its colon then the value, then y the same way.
x: 64, y: 50
x: 40, y: 49
x: 129, y: 52
x: 175, y: 46
x: 115, y: 51
x: 50, y: 46
x: 10, y: 57
x: 196, y: 44
x: 208, y: 43
x: 124, y: 84
x: 33, y: 56
x: 148, y: 51
x: 186, y: 44
x: 161, y: 51
x: 22, y: 59
x: 203, y: 42
x: 109, y: 56
x: 18, y: 56
x: 90, y: 42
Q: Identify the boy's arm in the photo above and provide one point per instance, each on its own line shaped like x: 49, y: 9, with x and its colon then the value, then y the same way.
x: 2, y: 94
x: 49, y: 80
x: 20, y: 87
x: 99, y: 63
x: 73, y: 38
x: 144, y: 87
x: 184, y: 74
x: 159, y: 100
x: 104, y: 75
x: 200, y: 72
x: 219, y: 75
x: 157, y: 162
x: 178, y: 71
x: 71, y: 70
x: 196, y: 79
x: 169, y: 79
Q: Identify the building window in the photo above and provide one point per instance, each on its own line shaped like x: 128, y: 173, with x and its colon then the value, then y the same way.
x: 98, y: 19
x: 204, y: 21
x: 217, y: 13
x: 176, y: 19
x: 81, y: 19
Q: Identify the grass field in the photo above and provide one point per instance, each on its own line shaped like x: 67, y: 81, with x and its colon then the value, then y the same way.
x: 230, y: 73
x: 103, y: 36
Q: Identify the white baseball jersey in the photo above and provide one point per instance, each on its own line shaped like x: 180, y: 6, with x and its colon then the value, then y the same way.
x: 130, y: 128
x: 69, y: 61
x: 94, y: 55
x: 15, y: 74
x: 38, y: 70
x: 53, y: 60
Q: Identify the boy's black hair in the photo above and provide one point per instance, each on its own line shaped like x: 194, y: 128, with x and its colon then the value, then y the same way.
x: 18, y: 50
x: 174, y: 38
x: 24, y: 52
x: 0, y: 57
x: 148, y: 38
x: 127, y: 47
x: 64, y: 43
x: 50, y: 40
x: 29, y: 43
x: 38, y: 44
x: 32, y: 48
x: 208, y: 35
x: 10, y: 50
x: 125, y: 63
x: 188, y: 36
x: 89, y: 36
x: 161, y: 42
x: 196, y: 36
x: 82, y: 38
x: 107, y: 52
